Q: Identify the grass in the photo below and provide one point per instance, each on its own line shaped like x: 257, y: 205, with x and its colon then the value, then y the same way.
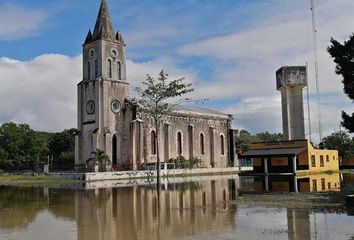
x: 42, y: 180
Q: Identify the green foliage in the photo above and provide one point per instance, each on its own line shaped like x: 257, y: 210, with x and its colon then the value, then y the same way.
x: 243, y: 139
x: 343, y: 56
x: 62, y: 149
x: 99, y: 157
x: 269, y: 137
x: 183, y: 163
x: 20, y: 147
x: 159, y: 90
x: 340, y: 141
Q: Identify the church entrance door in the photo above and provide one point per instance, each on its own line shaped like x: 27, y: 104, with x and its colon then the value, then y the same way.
x: 114, y: 150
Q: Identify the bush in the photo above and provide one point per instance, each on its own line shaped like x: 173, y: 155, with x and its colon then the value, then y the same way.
x: 183, y: 163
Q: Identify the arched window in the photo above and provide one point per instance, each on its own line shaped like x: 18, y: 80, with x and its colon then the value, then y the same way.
x: 153, y: 142
x: 88, y: 70
x: 109, y: 68
x: 201, y: 143
x: 119, y: 70
x: 222, y: 144
x: 96, y: 68
x: 179, y: 143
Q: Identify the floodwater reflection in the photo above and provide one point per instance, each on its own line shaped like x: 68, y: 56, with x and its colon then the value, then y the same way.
x: 291, y: 183
x: 184, y: 210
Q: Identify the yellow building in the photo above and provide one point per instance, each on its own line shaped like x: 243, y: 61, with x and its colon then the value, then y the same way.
x: 295, y: 156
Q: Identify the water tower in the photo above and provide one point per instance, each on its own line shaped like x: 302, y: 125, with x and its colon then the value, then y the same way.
x: 290, y: 82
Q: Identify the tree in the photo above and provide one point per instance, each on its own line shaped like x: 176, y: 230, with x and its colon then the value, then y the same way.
x: 343, y: 55
x: 62, y: 148
x: 341, y: 142
x: 99, y: 158
x: 243, y: 139
x: 269, y: 137
x: 20, y: 147
x: 153, y: 101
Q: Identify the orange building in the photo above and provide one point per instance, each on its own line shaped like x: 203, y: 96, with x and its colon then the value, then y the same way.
x: 295, y: 156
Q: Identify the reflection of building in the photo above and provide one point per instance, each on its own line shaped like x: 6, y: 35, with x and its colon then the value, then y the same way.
x: 134, y: 212
x: 299, y: 226
x: 291, y: 183
x: 111, y: 121
x: 297, y: 156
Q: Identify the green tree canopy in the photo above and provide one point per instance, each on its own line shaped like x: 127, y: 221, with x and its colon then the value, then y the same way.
x: 243, y: 139
x: 343, y: 56
x: 340, y: 141
x: 269, y: 137
x: 62, y: 149
x: 20, y: 147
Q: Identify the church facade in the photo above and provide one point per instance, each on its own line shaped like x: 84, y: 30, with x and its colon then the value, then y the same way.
x: 108, y: 119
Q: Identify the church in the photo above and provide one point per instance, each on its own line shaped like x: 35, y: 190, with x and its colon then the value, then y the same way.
x: 110, y: 120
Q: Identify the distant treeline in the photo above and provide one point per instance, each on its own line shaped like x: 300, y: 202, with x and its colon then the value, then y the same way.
x: 243, y: 139
x: 341, y: 141
x: 22, y: 148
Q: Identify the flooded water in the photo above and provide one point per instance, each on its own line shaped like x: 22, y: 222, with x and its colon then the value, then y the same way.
x: 203, y: 209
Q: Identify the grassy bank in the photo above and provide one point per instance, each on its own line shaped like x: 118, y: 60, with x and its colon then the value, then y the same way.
x: 42, y: 180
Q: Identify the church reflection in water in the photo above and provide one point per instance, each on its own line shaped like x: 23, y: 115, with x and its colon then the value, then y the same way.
x: 182, y: 209
x: 135, y: 212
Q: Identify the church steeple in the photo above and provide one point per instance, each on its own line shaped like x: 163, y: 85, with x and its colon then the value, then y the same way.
x: 103, y: 28
x: 104, y: 50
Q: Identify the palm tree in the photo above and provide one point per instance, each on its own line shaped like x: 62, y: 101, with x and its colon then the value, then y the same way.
x: 99, y: 158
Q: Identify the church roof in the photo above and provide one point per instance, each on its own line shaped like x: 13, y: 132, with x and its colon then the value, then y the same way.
x: 103, y: 28
x: 189, y: 110
x: 199, y: 111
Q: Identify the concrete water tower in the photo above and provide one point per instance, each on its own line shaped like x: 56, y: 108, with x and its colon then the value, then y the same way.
x: 290, y: 82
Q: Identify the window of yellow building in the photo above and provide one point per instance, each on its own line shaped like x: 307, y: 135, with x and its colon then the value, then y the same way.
x: 323, y: 184
x: 329, y: 185
x: 313, y: 161
x: 327, y: 158
x: 314, y: 185
x: 321, y: 161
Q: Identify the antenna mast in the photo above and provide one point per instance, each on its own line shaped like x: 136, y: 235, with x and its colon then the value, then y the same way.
x: 308, y: 103
x: 316, y: 70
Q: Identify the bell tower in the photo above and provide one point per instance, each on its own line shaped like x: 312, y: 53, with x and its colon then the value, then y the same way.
x: 102, y: 92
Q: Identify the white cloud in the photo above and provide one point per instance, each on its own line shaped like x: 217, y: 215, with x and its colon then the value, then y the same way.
x: 40, y: 92
x: 17, y: 22
x: 246, y: 61
x: 137, y: 71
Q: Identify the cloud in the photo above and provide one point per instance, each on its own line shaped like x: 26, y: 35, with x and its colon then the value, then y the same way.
x: 40, y: 92
x: 17, y: 22
x: 245, y: 63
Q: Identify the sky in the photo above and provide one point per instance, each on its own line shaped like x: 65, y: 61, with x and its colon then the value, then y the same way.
x: 228, y: 49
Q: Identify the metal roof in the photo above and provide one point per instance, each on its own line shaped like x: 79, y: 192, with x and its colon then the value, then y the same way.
x: 273, y: 152
x: 199, y: 110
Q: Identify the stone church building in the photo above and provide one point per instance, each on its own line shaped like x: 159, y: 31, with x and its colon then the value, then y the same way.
x: 108, y: 119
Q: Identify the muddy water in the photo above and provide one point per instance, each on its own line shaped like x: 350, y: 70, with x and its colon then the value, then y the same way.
x: 204, y: 209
